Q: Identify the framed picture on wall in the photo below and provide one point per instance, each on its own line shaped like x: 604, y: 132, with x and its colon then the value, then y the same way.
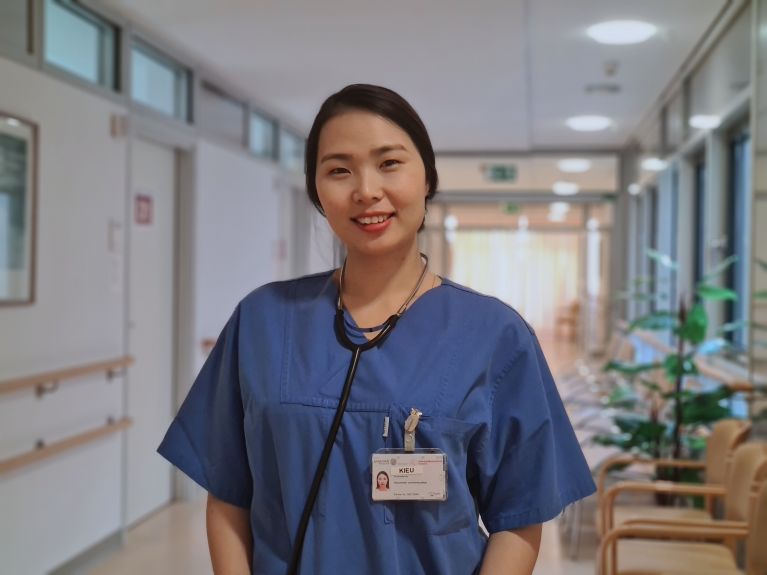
x: 18, y: 183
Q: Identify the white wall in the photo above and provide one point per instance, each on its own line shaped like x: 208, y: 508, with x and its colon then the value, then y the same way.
x: 57, y: 508
x: 235, y: 233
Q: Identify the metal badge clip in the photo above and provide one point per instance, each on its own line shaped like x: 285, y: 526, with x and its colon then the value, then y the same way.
x: 410, y: 425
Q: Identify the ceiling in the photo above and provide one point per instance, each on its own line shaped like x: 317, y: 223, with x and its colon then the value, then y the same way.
x: 487, y: 75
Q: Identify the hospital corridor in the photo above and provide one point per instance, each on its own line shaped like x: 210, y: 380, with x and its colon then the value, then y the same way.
x: 204, y: 205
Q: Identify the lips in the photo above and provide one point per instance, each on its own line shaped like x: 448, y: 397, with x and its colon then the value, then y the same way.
x: 367, y: 220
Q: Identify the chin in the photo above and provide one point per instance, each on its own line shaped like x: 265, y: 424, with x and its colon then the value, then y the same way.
x: 380, y: 246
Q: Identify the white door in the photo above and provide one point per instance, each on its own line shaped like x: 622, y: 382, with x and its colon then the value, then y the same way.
x: 151, y: 336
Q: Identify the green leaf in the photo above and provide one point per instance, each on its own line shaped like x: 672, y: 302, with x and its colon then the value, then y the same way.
x: 720, y: 267
x: 713, y: 346
x: 657, y: 321
x: 715, y: 293
x: 694, y: 329
x: 762, y: 264
x: 630, y: 369
x: 622, y: 396
x: 651, y: 385
x: 761, y: 294
x: 706, y: 407
x: 674, y: 367
x: 662, y: 259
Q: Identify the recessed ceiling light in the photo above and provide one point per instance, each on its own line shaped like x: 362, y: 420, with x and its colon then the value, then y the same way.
x: 588, y: 123
x: 559, y: 207
x: 12, y: 122
x: 634, y: 189
x: 451, y: 222
x: 556, y: 217
x: 654, y: 164
x: 705, y: 121
x: 622, y: 32
x: 565, y: 188
x: 574, y: 165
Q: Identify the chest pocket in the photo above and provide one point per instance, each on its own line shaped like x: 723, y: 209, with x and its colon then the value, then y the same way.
x: 452, y: 436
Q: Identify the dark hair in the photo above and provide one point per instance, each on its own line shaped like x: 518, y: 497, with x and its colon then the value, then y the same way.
x: 380, y: 473
x: 382, y: 102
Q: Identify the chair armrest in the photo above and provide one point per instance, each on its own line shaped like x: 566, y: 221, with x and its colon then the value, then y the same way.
x: 623, y: 459
x: 608, y: 500
x: 675, y: 533
x: 681, y: 463
x: 659, y: 522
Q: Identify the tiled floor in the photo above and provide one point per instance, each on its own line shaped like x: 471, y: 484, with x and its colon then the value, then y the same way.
x: 173, y: 542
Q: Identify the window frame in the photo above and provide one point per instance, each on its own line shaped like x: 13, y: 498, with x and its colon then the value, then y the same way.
x: 182, y: 97
x: 110, y: 60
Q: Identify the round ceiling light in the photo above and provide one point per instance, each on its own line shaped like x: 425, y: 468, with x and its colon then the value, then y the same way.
x: 451, y: 222
x: 588, y: 123
x: 559, y: 207
x: 565, y: 188
x: 654, y: 164
x: 574, y: 165
x: 622, y: 32
x: 705, y: 121
x: 634, y: 189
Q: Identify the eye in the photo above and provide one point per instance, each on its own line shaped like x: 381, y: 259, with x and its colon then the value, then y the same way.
x: 338, y: 171
x: 391, y: 163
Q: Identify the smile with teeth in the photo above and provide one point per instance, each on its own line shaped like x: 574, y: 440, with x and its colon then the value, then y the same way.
x: 372, y: 219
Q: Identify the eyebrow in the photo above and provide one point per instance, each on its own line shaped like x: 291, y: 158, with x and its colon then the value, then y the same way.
x: 375, y: 152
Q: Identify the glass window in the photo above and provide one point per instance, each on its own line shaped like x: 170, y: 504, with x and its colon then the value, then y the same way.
x: 158, y: 82
x: 652, y: 243
x: 739, y: 233
x: 15, y: 25
x: 699, y: 224
x: 674, y: 225
x: 292, y: 149
x: 263, y: 133
x: 221, y: 114
x: 80, y: 42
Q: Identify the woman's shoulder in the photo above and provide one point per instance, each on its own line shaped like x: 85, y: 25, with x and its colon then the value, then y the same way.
x: 290, y: 291
x: 485, y: 309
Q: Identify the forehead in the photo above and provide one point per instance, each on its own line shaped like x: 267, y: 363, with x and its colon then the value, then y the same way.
x: 360, y: 131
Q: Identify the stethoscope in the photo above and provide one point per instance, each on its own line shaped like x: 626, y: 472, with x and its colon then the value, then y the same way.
x: 356, y: 349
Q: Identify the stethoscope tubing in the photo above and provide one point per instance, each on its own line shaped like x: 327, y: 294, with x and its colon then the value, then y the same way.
x: 356, y: 349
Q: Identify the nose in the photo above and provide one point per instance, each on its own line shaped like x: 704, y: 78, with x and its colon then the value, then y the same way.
x: 368, y: 188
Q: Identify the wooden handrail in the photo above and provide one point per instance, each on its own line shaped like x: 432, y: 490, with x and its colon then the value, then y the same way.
x: 39, y: 380
x: 47, y: 451
x: 732, y: 381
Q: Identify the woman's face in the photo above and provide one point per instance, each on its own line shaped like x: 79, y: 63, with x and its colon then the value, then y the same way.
x: 383, y: 481
x: 371, y: 182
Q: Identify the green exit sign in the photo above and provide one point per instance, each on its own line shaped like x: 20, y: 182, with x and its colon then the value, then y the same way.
x: 500, y: 172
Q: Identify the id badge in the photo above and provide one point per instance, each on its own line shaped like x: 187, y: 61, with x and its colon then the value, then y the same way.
x: 400, y: 475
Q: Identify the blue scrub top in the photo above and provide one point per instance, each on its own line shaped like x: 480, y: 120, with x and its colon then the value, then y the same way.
x: 254, y: 423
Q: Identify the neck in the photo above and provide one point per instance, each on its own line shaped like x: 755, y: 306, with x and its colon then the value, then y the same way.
x: 387, y: 279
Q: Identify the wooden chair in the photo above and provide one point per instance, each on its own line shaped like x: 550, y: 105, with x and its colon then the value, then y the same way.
x: 725, y: 437
x: 656, y: 547
x: 569, y: 318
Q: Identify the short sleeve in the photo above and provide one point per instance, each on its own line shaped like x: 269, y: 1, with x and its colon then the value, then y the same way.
x: 206, y: 438
x: 529, y: 463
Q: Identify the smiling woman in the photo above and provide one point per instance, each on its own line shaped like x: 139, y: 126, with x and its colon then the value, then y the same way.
x: 458, y: 374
